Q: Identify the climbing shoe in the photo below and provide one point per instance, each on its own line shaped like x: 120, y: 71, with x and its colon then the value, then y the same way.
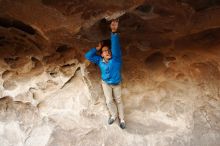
x: 111, y: 120
x: 122, y: 124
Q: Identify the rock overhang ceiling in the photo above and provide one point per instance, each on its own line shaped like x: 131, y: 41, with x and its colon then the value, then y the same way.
x: 50, y: 24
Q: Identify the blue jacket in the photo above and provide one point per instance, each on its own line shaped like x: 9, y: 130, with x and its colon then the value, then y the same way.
x: 110, y: 71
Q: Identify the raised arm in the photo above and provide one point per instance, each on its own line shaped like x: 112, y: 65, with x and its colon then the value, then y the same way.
x: 115, y: 41
x: 91, y: 55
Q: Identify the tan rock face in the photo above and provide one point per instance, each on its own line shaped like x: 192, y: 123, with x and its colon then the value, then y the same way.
x: 50, y: 95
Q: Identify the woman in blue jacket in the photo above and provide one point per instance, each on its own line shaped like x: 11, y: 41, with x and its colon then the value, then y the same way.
x: 110, y: 63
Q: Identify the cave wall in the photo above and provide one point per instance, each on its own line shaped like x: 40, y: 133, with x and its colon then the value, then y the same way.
x: 51, y: 95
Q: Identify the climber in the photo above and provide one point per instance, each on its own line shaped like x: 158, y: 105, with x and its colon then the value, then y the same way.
x: 110, y: 62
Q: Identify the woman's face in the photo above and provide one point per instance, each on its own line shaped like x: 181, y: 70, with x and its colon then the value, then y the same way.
x: 106, y: 53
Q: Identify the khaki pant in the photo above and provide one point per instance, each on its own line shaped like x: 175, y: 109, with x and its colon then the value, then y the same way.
x: 112, y: 92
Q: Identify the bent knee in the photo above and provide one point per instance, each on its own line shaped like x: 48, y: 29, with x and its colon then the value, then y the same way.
x: 109, y: 101
x: 118, y: 100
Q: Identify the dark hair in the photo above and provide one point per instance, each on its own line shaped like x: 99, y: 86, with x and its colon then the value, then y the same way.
x: 105, y: 43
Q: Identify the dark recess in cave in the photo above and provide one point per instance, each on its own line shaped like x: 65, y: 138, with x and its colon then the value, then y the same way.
x: 7, y: 23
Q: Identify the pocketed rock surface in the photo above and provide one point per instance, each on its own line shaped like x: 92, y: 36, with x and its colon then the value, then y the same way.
x: 50, y: 95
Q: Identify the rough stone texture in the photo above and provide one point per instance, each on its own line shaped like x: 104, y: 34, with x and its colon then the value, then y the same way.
x: 50, y: 95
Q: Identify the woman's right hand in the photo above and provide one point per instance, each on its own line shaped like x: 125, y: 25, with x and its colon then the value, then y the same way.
x: 99, y: 46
